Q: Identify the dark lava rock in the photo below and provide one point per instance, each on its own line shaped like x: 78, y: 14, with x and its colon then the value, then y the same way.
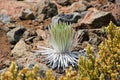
x: 15, y: 34
x: 68, y: 18
x: 113, y: 1
x: 46, y: 9
x: 82, y: 35
x: 31, y: 65
x: 114, y: 9
x: 27, y: 14
x: 63, y: 2
x: 96, y: 19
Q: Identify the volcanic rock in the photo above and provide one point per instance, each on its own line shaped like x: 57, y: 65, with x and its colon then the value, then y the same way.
x: 20, y: 50
x: 75, y: 7
x: 46, y: 9
x: 4, y: 18
x: 96, y: 19
x: 69, y: 18
x: 15, y: 34
x: 27, y: 14
x: 13, y: 8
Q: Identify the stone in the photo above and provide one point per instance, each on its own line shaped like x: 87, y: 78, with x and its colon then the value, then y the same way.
x: 46, y: 23
x: 113, y: 1
x: 20, y: 50
x: 29, y: 35
x: 30, y: 66
x: 89, y: 36
x: 82, y: 35
x: 32, y: 59
x: 74, y: 7
x: 7, y: 63
x: 15, y: 34
x: 46, y: 9
x: 3, y: 70
x: 68, y: 18
x: 41, y: 33
x: 82, y: 14
x: 10, y: 25
x: 13, y: 8
x: 96, y: 19
x: 117, y: 2
x: 4, y: 18
x: 26, y: 14
x: 5, y: 28
x: 114, y: 9
x: 94, y: 39
x: 36, y: 59
x: 63, y: 2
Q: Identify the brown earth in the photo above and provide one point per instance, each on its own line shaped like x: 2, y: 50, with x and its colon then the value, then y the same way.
x: 4, y: 48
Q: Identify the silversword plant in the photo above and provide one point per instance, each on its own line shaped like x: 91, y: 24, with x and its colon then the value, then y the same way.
x: 60, y: 56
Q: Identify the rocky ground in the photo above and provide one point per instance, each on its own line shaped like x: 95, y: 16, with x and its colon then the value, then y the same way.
x: 24, y: 23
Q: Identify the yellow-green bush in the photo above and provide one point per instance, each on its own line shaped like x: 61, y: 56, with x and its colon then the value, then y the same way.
x: 25, y: 74
x: 104, y: 65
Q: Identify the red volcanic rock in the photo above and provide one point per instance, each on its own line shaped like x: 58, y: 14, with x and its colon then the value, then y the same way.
x: 76, y: 6
x: 12, y: 8
x: 96, y: 19
x: 45, y: 9
x: 114, y: 9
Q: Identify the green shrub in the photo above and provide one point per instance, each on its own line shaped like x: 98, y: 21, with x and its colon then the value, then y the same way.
x: 25, y: 74
x: 105, y: 65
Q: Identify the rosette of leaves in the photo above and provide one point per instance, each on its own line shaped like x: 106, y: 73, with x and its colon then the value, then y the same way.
x: 60, y: 56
